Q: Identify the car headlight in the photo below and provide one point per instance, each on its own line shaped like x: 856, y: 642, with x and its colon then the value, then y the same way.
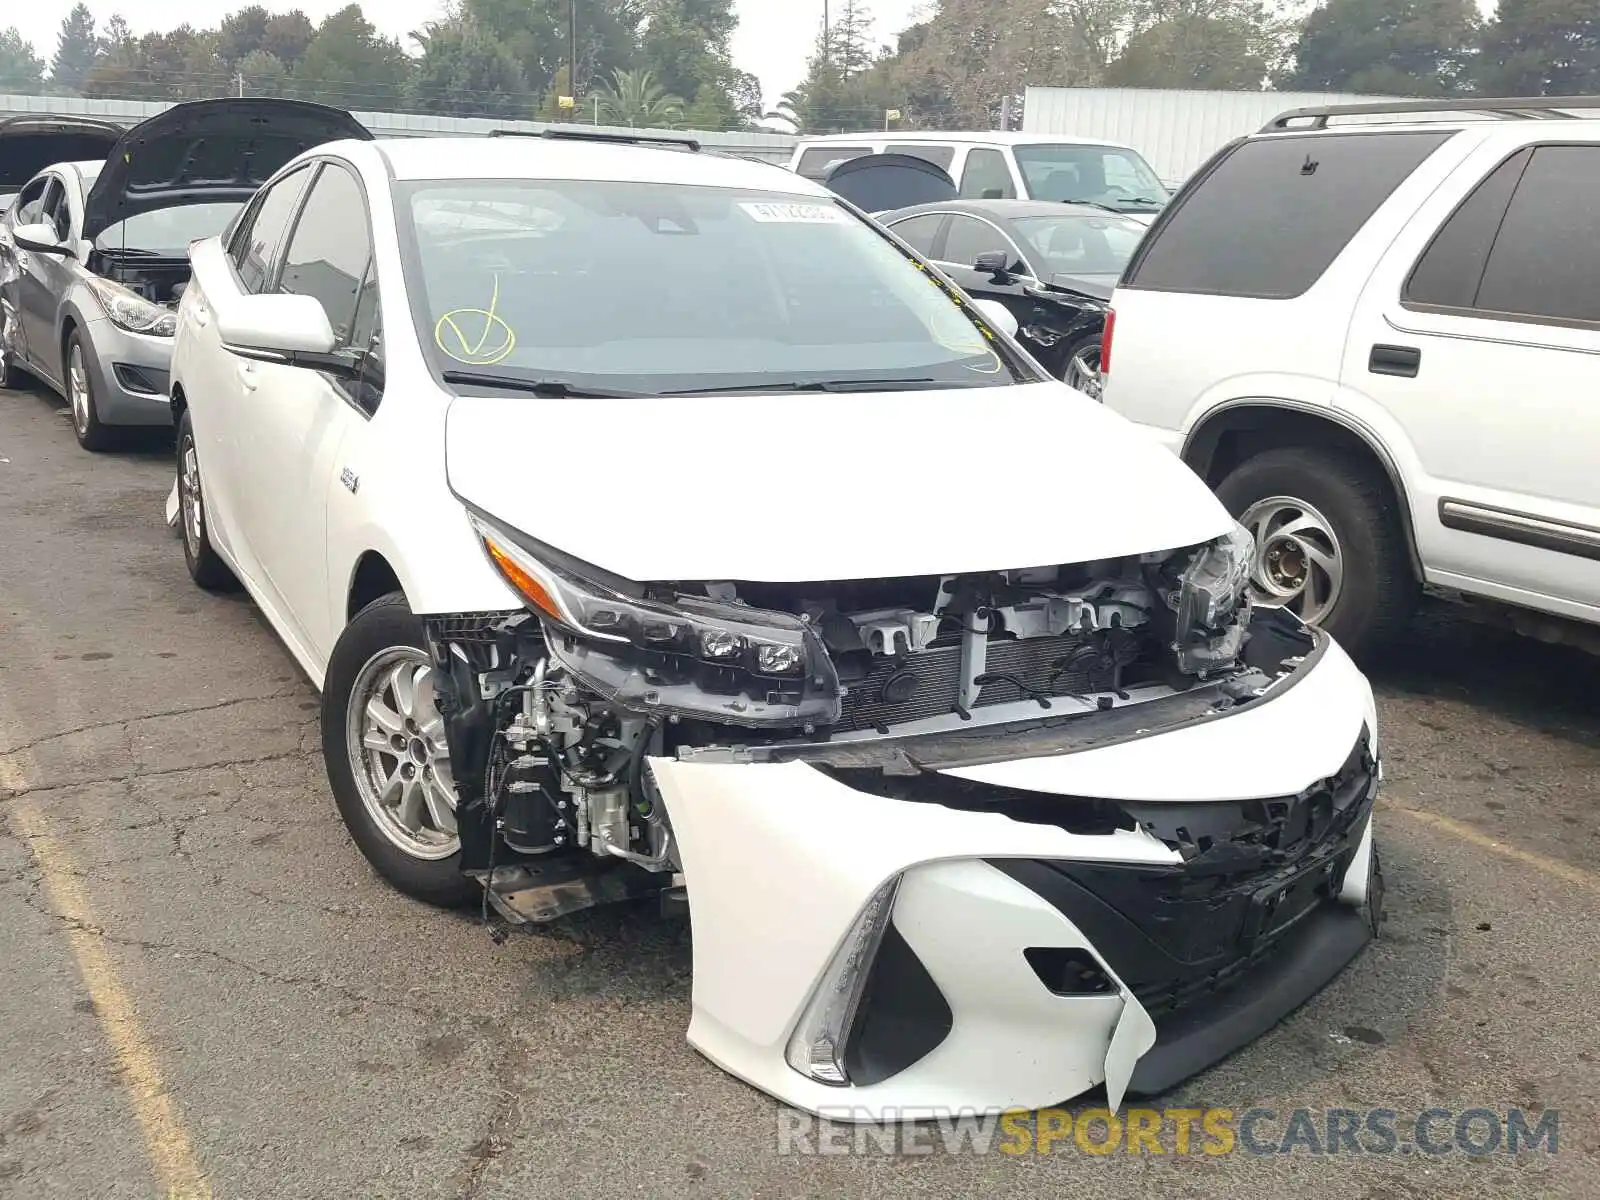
x: 690, y: 655
x: 133, y: 312
x: 1214, y: 603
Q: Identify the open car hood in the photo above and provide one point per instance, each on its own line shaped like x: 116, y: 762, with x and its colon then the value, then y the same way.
x: 786, y: 489
x: 208, y: 151
x: 877, y: 183
x: 29, y: 144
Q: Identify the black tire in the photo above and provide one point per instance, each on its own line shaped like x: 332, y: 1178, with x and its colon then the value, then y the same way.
x: 1379, y: 591
x: 1089, y: 349
x: 205, y: 565
x: 92, y: 434
x: 384, y: 624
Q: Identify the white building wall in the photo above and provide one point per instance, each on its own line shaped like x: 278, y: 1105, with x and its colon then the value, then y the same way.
x: 1176, y: 131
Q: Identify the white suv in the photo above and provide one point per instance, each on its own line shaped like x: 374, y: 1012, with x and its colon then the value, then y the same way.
x: 1380, y: 343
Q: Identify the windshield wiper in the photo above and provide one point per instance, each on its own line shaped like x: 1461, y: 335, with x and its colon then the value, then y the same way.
x: 818, y: 385
x: 1095, y: 204
x: 554, y: 389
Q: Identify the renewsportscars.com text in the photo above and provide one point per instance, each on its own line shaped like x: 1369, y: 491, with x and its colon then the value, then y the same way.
x: 1433, y: 1132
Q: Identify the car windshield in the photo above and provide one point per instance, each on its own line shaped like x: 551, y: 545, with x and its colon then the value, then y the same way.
x: 1081, y: 245
x: 659, y: 288
x: 1108, y: 175
x: 168, y: 231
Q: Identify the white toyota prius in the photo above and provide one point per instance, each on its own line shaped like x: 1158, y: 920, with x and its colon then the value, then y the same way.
x: 657, y: 526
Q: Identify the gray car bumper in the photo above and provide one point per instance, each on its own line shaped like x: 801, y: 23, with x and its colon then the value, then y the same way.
x: 130, y: 374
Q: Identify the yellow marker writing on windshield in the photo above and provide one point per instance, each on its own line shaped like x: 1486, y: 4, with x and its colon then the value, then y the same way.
x: 493, y: 345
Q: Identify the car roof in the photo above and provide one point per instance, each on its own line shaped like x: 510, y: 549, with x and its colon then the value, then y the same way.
x: 540, y: 158
x: 996, y: 138
x: 1005, y: 209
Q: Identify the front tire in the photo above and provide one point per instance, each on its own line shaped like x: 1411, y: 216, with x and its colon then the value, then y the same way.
x: 205, y: 565
x: 1082, y: 370
x: 383, y: 743
x: 92, y: 434
x: 1329, y: 542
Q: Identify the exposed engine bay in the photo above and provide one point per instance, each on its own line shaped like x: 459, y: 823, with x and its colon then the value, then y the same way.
x: 553, y: 712
x: 156, y: 279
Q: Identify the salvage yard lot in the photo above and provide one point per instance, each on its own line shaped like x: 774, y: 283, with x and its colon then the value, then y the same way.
x: 205, y: 990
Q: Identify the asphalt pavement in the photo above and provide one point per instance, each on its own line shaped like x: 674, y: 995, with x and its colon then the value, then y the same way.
x: 204, y: 991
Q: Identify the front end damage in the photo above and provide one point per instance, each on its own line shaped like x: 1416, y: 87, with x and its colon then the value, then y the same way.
x: 978, y: 841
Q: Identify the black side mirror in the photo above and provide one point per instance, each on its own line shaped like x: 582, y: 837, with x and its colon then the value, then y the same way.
x: 40, y: 238
x: 995, y: 262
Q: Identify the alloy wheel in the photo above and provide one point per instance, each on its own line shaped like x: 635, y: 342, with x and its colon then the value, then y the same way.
x: 78, y: 389
x: 191, y: 499
x: 398, y: 754
x: 1299, y: 561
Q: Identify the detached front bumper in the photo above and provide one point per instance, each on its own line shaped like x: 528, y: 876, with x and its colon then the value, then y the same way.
x: 1126, y: 914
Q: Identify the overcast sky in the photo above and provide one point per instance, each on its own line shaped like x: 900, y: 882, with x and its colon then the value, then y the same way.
x: 774, y: 39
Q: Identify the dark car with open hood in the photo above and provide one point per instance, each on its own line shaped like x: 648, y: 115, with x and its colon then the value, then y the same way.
x: 94, y: 252
x: 31, y: 142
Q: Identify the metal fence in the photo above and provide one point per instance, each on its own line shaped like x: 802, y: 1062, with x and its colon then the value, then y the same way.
x: 769, y: 147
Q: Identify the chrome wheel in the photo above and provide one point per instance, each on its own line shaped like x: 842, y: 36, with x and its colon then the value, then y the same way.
x: 1299, y: 562
x: 1083, y: 371
x: 189, y: 497
x: 78, y: 389
x: 398, y: 755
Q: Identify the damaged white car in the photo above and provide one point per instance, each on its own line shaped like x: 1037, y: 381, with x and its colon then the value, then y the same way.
x: 655, y: 524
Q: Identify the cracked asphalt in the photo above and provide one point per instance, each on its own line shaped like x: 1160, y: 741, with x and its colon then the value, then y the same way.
x: 205, y: 991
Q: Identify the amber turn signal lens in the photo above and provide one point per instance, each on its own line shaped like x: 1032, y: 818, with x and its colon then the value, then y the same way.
x: 532, y: 590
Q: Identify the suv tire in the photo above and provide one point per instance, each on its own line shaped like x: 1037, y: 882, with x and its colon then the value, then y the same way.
x: 1376, y: 590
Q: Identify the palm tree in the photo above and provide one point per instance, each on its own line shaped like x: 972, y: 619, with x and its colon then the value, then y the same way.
x: 790, y: 109
x: 634, y: 99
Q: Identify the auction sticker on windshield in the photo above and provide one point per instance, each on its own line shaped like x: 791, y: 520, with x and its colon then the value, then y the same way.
x: 771, y: 213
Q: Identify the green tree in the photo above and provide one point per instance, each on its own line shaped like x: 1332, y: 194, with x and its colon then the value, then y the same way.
x: 21, y: 70
x: 634, y: 99
x: 463, y: 71
x: 1541, y: 48
x: 349, y: 65
x: 1385, y: 47
x: 262, y: 73
x: 1233, y: 44
x: 117, y: 72
x: 288, y: 36
x: 242, y: 33
x: 535, y: 32
x: 76, y: 49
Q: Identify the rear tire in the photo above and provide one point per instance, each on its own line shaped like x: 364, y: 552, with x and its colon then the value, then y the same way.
x: 1082, y: 367
x: 1309, y: 509
x: 380, y: 660
x: 205, y: 565
x: 92, y: 434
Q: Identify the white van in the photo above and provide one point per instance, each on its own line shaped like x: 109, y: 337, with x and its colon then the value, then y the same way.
x: 1006, y: 166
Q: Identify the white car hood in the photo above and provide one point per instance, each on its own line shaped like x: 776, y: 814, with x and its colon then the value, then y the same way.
x: 787, y: 489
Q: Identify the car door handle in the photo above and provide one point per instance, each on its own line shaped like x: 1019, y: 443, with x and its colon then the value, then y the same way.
x: 248, y: 378
x: 1404, y: 361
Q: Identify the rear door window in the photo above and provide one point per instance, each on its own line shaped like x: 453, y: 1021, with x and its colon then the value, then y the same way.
x: 939, y: 156
x: 1546, y: 260
x: 818, y: 163
x: 920, y: 233
x: 1451, y: 268
x: 1268, y: 219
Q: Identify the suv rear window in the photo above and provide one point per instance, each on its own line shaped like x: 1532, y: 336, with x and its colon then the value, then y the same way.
x: 1268, y: 219
x: 819, y: 163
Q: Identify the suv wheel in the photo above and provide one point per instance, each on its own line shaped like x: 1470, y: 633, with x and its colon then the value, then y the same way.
x: 1329, y: 543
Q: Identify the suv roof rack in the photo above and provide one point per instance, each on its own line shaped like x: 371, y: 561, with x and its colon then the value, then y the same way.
x: 1523, y: 108
x: 595, y: 135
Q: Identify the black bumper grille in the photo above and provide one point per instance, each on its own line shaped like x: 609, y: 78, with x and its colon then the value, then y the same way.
x: 1039, y: 665
x: 1253, y: 872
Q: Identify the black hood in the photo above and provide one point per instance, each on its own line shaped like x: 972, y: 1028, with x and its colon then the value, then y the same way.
x: 29, y: 144
x: 208, y: 151
x: 878, y: 183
